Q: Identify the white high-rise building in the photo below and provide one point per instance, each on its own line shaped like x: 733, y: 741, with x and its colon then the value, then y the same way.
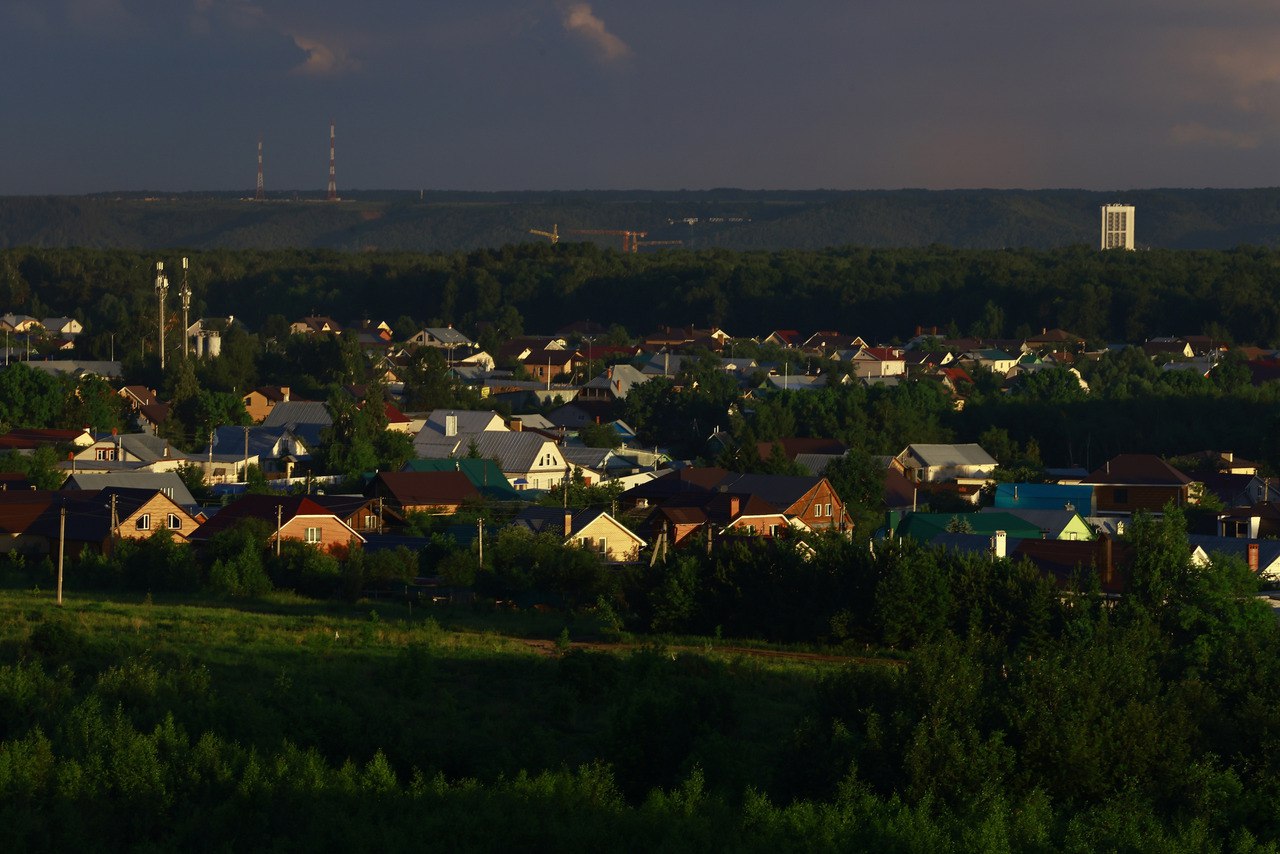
x: 1117, y: 226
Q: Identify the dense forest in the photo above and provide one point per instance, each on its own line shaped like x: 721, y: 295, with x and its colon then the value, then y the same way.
x: 880, y: 294
x: 732, y: 219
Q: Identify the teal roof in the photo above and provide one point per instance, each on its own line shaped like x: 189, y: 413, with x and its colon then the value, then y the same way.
x: 483, y: 473
x: 923, y: 527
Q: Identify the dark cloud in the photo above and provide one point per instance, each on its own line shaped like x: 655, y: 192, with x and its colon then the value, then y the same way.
x: 172, y: 94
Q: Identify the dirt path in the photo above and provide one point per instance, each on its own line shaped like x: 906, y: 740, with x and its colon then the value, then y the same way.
x: 551, y: 649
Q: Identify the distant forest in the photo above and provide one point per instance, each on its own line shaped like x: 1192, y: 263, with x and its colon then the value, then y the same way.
x: 881, y: 294
x: 439, y: 221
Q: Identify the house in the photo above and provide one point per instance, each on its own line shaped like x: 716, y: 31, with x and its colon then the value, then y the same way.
x: 933, y: 463
x: 138, y: 396
x: 528, y: 460
x: 271, y: 449
x: 446, y: 429
x: 787, y: 339
x: 683, y: 337
x: 1053, y: 524
x: 24, y: 440
x: 358, y: 512
x: 168, y: 484
x: 305, y: 419
x: 614, y: 384
x: 1261, y: 556
x: 483, y: 474
x: 925, y: 527
x: 443, y: 337
x: 592, y: 529
x: 1260, y: 520
x: 19, y: 323
x: 1131, y: 482
x: 798, y: 499
x: 792, y: 447
x: 259, y: 402
x: 95, y: 519
x: 294, y: 517
x: 437, y: 492
x: 315, y: 326
x: 879, y: 362
x: 1044, y: 496
x: 997, y: 361
x: 127, y: 451
x: 63, y: 327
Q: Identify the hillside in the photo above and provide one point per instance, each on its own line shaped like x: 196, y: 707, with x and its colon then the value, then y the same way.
x: 731, y: 219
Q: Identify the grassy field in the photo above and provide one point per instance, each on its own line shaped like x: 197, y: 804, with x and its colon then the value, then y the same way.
x: 445, y: 690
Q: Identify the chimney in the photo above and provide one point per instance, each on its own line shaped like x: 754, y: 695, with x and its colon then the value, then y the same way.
x: 568, y: 524
x: 451, y: 425
x: 517, y: 425
x: 284, y: 393
x: 1253, y: 557
x: 1000, y: 545
x: 734, y: 506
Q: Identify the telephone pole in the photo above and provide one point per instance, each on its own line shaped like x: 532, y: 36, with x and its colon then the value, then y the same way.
x: 62, y: 543
x: 279, y: 517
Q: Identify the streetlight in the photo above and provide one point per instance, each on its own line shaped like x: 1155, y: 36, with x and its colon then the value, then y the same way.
x: 162, y: 290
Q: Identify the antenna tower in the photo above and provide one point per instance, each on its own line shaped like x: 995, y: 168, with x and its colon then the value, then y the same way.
x: 260, y: 193
x: 332, y: 195
x: 162, y: 290
x: 185, y: 293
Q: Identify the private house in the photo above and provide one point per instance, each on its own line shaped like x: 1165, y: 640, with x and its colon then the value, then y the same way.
x: 445, y: 430
x: 614, y: 384
x: 997, y: 361
x: 1053, y: 524
x: 91, y: 525
x: 19, y: 323
x: 25, y: 440
x: 305, y: 419
x: 932, y: 463
x: 434, y: 492
x: 293, y: 517
x: 259, y: 402
x: 315, y: 326
x: 168, y: 484
x: 796, y: 499
x: 926, y: 527
x: 271, y: 449
x: 442, y: 337
x: 1044, y: 496
x: 1253, y: 522
x: 787, y: 339
x: 878, y: 362
x: 591, y: 529
x: 19, y: 511
x: 138, y: 396
x: 358, y: 512
x: 483, y: 474
x: 127, y: 452
x: 1261, y: 556
x: 1132, y: 482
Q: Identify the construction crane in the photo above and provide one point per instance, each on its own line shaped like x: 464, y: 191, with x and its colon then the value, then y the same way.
x: 553, y: 235
x: 635, y: 246
x: 629, y: 237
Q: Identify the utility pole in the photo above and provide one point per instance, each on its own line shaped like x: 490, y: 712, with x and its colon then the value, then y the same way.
x: 279, y: 518
x: 245, y: 471
x: 162, y: 290
x: 115, y: 521
x: 185, y: 293
x: 62, y: 543
x: 480, y: 539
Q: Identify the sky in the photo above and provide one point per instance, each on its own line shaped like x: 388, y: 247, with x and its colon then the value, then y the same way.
x: 173, y: 95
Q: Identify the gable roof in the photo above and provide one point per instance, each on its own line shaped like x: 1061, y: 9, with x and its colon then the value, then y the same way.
x: 1137, y: 469
x: 425, y: 488
x: 551, y: 520
x: 263, y: 507
x: 483, y: 474
x: 165, y: 482
x: 290, y: 413
x: 932, y: 455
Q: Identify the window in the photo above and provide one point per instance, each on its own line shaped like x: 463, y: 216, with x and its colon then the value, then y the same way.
x: 106, y: 453
x: 144, y: 522
x: 370, y: 522
x: 828, y: 509
x: 602, y: 545
x: 313, y: 535
x: 175, y: 523
x: 773, y: 530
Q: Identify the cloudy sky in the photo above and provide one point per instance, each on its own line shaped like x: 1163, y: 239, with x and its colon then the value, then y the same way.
x: 102, y: 95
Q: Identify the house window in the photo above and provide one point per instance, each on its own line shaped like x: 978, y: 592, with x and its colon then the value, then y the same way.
x: 313, y: 535
x: 144, y: 522
x: 602, y: 545
x: 175, y: 524
x: 106, y: 453
x: 828, y: 509
x: 817, y: 511
x: 370, y: 522
x: 773, y: 530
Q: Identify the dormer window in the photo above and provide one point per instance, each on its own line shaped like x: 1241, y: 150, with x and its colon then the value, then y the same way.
x: 144, y: 522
